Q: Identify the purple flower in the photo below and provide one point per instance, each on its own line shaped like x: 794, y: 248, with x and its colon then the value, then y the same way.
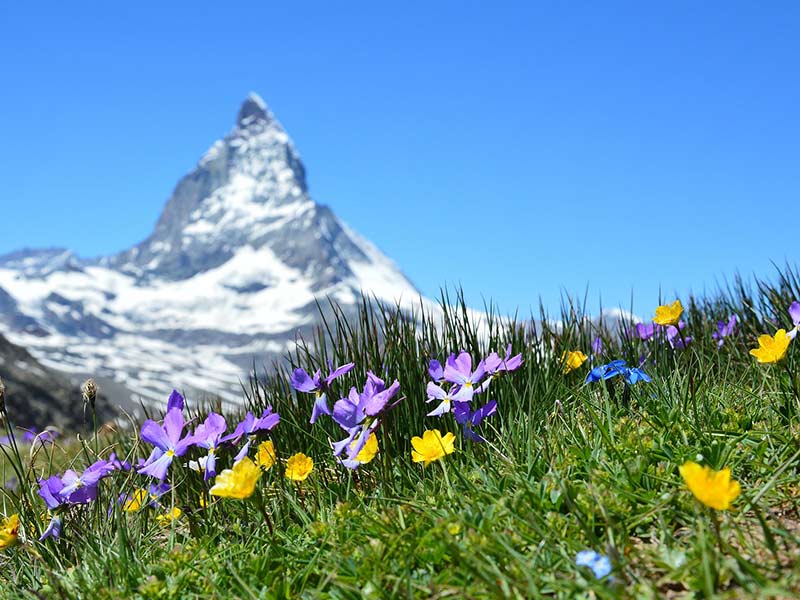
x: 80, y: 489
x: 675, y: 339
x: 175, y: 400
x: 249, y: 427
x: 436, y: 371
x: 303, y: 382
x: 645, y: 331
x: 359, y: 415
x: 167, y: 441
x: 49, y: 490
x: 494, y: 364
x: 725, y: 329
x: 436, y: 392
x: 470, y: 420
x: 597, y: 345
x: 458, y: 370
x: 53, y: 529
x: 207, y: 435
x: 794, y: 313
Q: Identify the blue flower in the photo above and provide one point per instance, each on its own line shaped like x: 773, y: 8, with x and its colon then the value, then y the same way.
x: 617, y: 367
x: 598, y: 563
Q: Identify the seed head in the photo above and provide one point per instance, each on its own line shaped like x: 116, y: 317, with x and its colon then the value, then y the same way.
x: 89, y: 391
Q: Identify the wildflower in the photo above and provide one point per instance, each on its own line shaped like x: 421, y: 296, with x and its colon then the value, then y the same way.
x: 598, y: 563
x: 80, y: 489
x: 668, y: 314
x: 606, y: 371
x: 634, y: 375
x: 432, y: 446
x: 458, y: 370
x: 167, y: 441
x: 250, y: 427
x: 771, y: 349
x: 725, y: 329
x: 239, y: 482
x: 675, y: 338
x: 572, y: 360
x: 713, y: 488
x: 299, y: 467
x: 135, y: 501
x: 469, y: 420
x: 169, y: 516
x: 9, y: 531
x: 794, y: 313
x: 175, y: 400
x: 436, y: 371
x: 597, y: 345
x: 436, y: 392
x: 49, y: 491
x: 207, y: 435
x: 359, y: 415
x: 265, y: 457
x: 369, y: 450
x: 53, y: 529
x: 644, y: 331
x: 494, y: 364
x: 303, y: 382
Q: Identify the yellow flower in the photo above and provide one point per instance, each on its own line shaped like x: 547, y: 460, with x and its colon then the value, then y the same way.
x: 169, y: 516
x: 368, y: 452
x: 239, y: 482
x: 265, y: 457
x: 136, y: 500
x: 771, y: 349
x: 432, y: 446
x: 299, y: 466
x: 712, y: 488
x: 572, y: 360
x: 9, y: 531
x: 668, y: 314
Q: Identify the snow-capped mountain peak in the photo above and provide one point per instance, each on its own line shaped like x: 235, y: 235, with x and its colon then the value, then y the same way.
x: 230, y: 273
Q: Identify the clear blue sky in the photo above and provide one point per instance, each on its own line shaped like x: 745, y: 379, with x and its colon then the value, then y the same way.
x: 521, y: 149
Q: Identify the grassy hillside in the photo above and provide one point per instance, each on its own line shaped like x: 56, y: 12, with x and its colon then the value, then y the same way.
x: 566, y: 466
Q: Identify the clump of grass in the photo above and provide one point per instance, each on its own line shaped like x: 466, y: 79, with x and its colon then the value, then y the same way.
x: 567, y: 466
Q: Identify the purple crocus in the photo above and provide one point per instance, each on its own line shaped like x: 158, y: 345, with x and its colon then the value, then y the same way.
x: 794, y: 313
x: 303, y: 382
x: 458, y: 370
x: 597, y: 346
x: 359, y: 415
x: 249, y: 427
x: 725, y: 329
x: 81, y: 489
x: 469, y: 420
x: 167, y: 441
x: 208, y: 435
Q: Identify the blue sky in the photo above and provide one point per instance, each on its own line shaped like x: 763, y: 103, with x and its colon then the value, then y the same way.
x: 520, y: 149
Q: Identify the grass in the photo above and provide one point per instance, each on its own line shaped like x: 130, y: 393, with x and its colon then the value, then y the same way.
x: 567, y: 467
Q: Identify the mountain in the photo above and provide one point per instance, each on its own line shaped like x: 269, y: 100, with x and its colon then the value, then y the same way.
x: 37, y: 396
x: 232, y: 271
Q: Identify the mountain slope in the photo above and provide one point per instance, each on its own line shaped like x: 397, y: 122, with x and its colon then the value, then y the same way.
x: 229, y: 275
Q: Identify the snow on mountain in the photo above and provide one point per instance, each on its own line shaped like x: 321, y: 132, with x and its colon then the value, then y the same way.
x: 230, y: 273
